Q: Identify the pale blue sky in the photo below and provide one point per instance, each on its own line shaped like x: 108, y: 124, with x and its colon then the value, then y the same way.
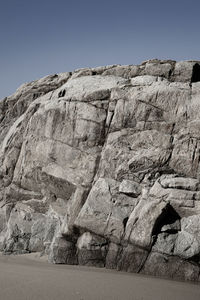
x: 41, y: 37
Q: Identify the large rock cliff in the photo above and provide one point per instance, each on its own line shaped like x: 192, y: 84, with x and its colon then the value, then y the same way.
x: 101, y: 167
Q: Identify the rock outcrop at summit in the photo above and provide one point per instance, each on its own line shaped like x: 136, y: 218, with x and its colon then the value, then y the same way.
x: 101, y: 167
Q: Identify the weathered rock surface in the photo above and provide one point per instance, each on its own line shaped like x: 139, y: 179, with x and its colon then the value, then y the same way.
x: 100, y: 167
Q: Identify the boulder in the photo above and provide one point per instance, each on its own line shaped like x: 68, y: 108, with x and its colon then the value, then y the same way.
x: 132, y: 259
x: 143, y: 222
x: 62, y: 252
x: 186, y: 245
x: 106, y: 212
x: 130, y: 188
x: 187, y: 71
x: 190, y: 184
x: 92, y: 250
x: 162, y: 265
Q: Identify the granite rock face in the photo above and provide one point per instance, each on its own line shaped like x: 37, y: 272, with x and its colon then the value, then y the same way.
x: 101, y: 167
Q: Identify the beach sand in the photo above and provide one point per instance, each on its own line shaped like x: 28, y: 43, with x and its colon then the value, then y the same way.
x: 29, y: 277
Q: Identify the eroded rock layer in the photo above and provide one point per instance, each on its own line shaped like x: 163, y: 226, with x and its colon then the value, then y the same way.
x: 101, y: 167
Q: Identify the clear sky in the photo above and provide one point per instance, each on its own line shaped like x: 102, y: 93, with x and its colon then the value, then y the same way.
x: 41, y: 37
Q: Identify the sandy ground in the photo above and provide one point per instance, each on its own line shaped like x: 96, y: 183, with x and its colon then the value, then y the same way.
x: 27, y: 277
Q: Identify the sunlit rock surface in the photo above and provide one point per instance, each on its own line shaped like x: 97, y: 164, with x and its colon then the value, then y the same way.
x: 100, y: 167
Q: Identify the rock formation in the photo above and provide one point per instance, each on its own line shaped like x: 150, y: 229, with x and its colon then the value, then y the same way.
x: 101, y: 167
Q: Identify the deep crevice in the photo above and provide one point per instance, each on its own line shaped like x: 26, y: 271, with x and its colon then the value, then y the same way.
x: 61, y: 93
x: 125, y: 220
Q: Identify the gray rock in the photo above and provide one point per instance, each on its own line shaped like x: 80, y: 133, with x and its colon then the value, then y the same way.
x: 184, y: 71
x: 122, y: 71
x: 130, y: 187
x: 145, y: 80
x: 36, y: 243
x: 113, y: 255
x: 173, y: 227
x: 186, y: 245
x: 165, y: 243
x: 132, y: 259
x: 92, y: 250
x: 191, y: 225
x: 62, y: 252
x: 100, y: 166
x: 179, y: 199
x: 142, y: 222
x: 161, y: 265
x: 180, y: 183
x: 158, y: 68
x: 105, y: 212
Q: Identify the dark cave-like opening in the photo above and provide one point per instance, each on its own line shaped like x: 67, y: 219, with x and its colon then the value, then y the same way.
x: 195, y: 73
